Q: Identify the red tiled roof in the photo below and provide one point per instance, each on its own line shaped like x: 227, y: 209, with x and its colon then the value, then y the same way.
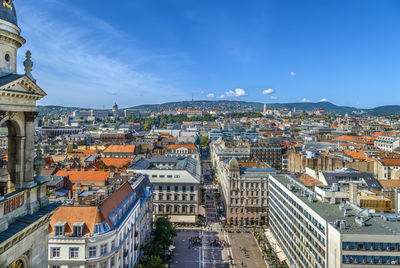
x: 307, y: 180
x: 120, y: 149
x: 85, y: 175
x: 177, y: 146
x: 357, y: 139
x: 356, y: 154
x: 87, y: 214
x: 107, y: 207
x: 390, y: 183
x: 390, y: 161
x: 116, y: 162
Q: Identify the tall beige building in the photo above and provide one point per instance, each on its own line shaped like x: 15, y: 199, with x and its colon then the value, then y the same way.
x: 24, y: 209
x: 244, y: 192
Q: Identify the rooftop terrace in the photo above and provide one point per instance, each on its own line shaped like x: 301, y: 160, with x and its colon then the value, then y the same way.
x: 374, y: 223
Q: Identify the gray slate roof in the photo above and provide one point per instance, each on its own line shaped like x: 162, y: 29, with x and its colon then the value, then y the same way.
x: 351, y: 175
x: 6, y: 78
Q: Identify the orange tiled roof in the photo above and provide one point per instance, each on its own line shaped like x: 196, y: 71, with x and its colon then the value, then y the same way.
x: 112, y: 202
x: 88, y: 152
x: 390, y: 161
x: 356, y: 154
x: 89, y: 215
x: 116, y: 162
x: 380, y: 133
x: 390, y: 183
x: 85, y: 175
x: 120, y: 149
x: 307, y: 180
x: 177, y: 146
x: 357, y: 139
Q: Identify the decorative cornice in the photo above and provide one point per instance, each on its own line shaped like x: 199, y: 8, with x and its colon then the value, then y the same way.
x: 12, y: 38
x: 24, y: 233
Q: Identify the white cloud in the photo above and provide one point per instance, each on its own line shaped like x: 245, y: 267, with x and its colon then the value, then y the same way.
x: 273, y: 98
x: 77, y: 66
x: 237, y: 93
x: 305, y: 100
x: 268, y: 91
x: 323, y: 100
x: 292, y: 73
x: 210, y: 95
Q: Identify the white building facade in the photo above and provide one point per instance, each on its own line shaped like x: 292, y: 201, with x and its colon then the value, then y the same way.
x: 313, y: 233
x: 106, y: 236
x: 176, y: 186
x: 387, y: 143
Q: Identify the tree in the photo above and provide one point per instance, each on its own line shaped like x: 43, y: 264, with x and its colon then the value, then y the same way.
x: 152, y: 262
x: 204, y: 141
x: 164, y: 232
x: 146, y: 126
x: 153, y: 248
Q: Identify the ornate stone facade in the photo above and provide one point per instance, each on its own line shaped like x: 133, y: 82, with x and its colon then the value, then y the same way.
x: 24, y: 209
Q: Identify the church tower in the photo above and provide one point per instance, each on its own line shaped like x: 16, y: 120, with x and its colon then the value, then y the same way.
x: 10, y: 38
x: 24, y: 209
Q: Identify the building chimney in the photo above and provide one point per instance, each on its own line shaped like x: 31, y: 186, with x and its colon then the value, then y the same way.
x: 353, y: 192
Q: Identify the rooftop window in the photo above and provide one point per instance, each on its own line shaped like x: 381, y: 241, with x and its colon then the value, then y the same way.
x: 101, y: 227
x: 77, y: 228
x: 59, y: 228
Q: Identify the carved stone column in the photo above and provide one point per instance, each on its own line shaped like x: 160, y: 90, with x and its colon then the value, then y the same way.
x: 29, y: 147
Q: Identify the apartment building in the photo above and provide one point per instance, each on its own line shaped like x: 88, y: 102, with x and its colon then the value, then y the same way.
x: 388, y: 168
x: 221, y: 150
x: 313, y: 233
x: 268, y: 151
x: 182, y: 150
x: 176, y: 183
x: 244, y: 193
x: 103, y: 236
x: 387, y: 143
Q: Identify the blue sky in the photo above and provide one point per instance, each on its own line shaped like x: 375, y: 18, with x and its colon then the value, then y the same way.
x: 91, y: 53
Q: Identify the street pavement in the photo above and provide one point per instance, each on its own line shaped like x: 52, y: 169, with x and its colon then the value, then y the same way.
x: 208, y: 255
x: 246, y: 251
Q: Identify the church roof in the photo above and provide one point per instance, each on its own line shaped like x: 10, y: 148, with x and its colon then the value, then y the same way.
x: 8, y: 14
x: 6, y: 78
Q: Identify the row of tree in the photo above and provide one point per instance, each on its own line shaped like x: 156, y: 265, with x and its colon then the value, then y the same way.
x: 155, y: 252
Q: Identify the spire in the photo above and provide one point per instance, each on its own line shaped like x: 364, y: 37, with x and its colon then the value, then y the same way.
x: 28, y: 66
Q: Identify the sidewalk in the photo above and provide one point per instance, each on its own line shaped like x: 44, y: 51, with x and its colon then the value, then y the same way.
x: 276, y: 247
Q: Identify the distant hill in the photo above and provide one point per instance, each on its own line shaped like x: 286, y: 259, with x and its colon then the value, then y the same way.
x: 243, y: 105
x: 54, y: 109
x: 224, y: 105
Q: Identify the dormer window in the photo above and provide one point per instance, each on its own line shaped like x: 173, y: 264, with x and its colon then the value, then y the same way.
x: 59, y: 228
x: 77, y: 228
